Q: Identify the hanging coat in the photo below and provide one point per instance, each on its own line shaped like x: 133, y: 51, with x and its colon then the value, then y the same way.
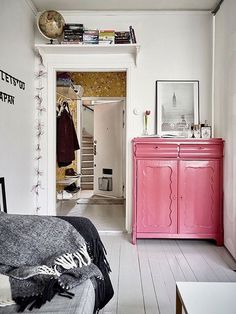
x: 67, y: 141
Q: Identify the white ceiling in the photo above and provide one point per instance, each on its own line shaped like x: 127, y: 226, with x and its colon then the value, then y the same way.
x: 115, y: 5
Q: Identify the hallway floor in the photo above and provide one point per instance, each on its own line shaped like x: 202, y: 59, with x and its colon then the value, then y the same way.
x: 107, y: 214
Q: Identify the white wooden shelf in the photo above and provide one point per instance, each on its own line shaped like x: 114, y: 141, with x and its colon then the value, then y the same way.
x: 75, y: 49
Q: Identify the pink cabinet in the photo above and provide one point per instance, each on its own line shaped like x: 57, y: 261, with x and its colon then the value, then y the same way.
x: 177, y: 188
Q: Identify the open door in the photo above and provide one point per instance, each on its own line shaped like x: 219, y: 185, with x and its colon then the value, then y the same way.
x: 108, y: 149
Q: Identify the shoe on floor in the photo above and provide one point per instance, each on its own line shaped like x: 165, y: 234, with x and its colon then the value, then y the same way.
x: 64, y: 196
x: 72, y: 188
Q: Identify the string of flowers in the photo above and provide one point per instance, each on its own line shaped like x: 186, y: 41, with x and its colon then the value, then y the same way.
x: 39, y: 131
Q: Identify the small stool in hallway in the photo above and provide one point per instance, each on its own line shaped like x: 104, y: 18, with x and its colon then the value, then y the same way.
x: 206, y: 297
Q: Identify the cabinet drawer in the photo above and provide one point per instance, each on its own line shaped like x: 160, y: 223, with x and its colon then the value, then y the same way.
x: 200, y: 150
x: 156, y: 150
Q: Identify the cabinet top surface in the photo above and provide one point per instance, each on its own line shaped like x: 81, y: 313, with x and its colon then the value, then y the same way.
x: 177, y: 140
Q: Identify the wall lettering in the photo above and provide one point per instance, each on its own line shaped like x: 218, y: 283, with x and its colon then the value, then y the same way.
x: 7, y: 98
x: 13, y: 81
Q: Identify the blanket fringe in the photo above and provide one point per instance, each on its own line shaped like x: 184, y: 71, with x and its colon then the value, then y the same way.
x: 50, y: 290
x: 67, y: 261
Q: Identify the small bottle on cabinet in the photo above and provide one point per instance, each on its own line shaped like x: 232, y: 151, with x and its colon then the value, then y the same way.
x: 197, y: 133
x: 192, y: 131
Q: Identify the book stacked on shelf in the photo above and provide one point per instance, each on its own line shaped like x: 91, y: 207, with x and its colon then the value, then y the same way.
x: 122, y: 37
x: 132, y: 35
x: 73, y: 33
x: 106, y: 37
x: 90, y: 37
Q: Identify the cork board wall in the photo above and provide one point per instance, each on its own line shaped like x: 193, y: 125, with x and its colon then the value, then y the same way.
x: 101, y: 84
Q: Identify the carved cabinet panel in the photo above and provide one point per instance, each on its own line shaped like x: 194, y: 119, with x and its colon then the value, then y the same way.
x: 157, y: 188
x: 199, y: 196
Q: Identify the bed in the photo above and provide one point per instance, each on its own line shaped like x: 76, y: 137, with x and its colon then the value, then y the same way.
x: 88, y: 296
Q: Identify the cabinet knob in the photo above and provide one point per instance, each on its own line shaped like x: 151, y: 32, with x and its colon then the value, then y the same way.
x: 156, y: 147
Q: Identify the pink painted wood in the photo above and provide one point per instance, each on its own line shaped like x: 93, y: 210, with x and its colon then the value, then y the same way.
x: 177, y: 188
x: 157, y: 188
x: 199, y: 194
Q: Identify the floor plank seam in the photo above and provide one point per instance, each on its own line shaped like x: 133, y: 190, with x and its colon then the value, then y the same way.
x: 184, y: 258
x: 118, y: 282
x: 170, y: 264
x: 141, y: 281
x: 210, y: 265
x: 158, y: 305
x: 166, y: 281
x: 178, y: 244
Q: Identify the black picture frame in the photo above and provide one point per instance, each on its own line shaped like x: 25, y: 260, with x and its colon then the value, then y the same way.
x: 3, y: 202
x: 177, y: 107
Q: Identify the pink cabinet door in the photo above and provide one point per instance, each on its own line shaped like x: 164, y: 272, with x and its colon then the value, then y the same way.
x: 156, y: 196
x: 199, y: 196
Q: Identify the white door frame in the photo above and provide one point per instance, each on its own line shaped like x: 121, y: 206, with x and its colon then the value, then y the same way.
x: 50, y: 91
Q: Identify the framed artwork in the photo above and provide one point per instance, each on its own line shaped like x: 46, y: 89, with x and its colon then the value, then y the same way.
x: 3, y: 203
x: 177, y: 107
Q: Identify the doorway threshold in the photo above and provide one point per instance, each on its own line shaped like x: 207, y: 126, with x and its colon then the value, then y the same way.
x: 111, y: 232
x: 104, y: 201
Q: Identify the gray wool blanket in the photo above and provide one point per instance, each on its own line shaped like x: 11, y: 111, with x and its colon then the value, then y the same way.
x: 42, y: 256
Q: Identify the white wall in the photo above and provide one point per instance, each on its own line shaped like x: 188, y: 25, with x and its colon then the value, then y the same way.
x: 174, y: 45
x: 17, y: 122
x: 87, y: 116
x: 225, y: 111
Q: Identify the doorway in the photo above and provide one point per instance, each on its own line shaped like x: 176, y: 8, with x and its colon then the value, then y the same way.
x: 102, y: 146
x: 100, y: 160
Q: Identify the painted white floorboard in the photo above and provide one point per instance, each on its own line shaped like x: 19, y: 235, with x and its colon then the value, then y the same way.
x: 201, y: 269
x: 162, y: 277
x: 130, y: 295
x: 144, y: 276
x: 181, y: 260
x: 113, y: 246
x: 149, y: 294
x: 175, y: 268
x: 215, y: 262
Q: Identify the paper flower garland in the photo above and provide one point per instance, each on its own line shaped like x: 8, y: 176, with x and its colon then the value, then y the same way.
x: 39, y: 131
